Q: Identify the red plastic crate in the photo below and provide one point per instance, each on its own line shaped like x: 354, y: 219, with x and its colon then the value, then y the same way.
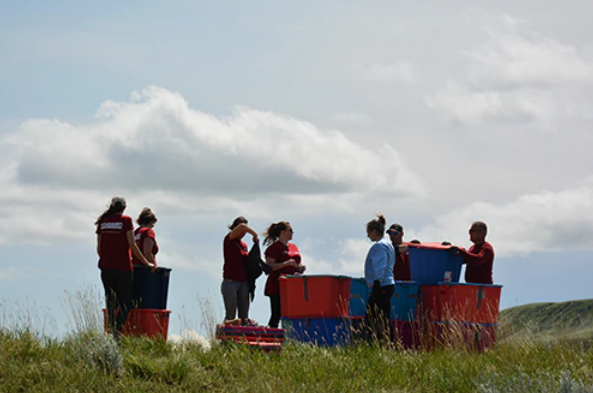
x: 144, y: 322
x: 459, y: 335
x: 477, y: 303
x: 316, y: 296
x: 249, y: 334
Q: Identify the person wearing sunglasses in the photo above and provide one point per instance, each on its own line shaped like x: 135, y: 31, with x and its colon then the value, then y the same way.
x: 284, y: 258
x: 479, y: 259
x: 378, y: 272
x: 401, y: 270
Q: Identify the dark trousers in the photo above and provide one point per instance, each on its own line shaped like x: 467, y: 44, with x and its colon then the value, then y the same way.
x: 275, y: 311
x: 118, y: 286
x: 377, y: 319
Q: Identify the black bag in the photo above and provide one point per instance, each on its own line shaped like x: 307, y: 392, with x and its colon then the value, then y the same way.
x: 254, y: 267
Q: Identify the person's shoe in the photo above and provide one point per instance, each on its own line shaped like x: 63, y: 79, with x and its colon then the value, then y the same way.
x: 233, y: 322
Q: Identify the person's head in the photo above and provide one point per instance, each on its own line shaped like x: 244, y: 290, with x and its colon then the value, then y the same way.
x: 278, y: 231
x: 396, y: 233
x: 117, y: 206
x: 146, y: 218
x: 376, y: 228
x: 237, y: 221
x: 478, y: 232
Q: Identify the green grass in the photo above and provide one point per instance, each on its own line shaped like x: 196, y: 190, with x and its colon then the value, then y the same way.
x: 542, y: 348
x: 91, y: 362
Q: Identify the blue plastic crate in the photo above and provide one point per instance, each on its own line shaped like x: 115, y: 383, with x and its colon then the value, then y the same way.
x: 404, y: 301
x: 328, y: 332
x: 150, y: 290
x: 431, y: 263
x: 359, y: 296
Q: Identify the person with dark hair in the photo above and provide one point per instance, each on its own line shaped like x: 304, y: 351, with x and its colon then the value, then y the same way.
x: 401, y: 270
x: 284, y: 258
x: 234, y: 287
x: 115, y: 240
x: 479, y: 259
x: 378, y: 272
x: 145, y: 237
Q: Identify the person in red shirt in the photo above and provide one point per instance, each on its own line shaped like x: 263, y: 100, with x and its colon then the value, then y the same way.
x: 284, y: 258
x: 234, y: 287
x: 480, y: 257
x: 401, y: 269
x: 145, y: 237
x: 115, y: 240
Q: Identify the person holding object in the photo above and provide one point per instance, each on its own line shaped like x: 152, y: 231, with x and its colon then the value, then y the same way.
x: 378, y: 272
x: 284, y: 258
x: 145, y: 237
x: 234, y: 287
x: 479, y: 259
x: 401, y: 269
x: 115, y: 240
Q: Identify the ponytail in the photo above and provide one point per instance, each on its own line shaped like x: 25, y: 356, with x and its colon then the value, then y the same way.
x: 113, y: 209
x: 378, y: 224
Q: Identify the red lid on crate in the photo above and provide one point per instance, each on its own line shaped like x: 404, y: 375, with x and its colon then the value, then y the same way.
x: 431, y: 245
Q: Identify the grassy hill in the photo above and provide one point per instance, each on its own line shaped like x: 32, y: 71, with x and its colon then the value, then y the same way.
x: 571, y: 320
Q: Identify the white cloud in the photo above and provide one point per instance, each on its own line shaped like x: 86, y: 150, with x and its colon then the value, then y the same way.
x: 156, y: 147
x: 157, y: 135
x: 516, y: 56
x: 546, y: 221
x: 517, y: 76
x: 352, y: 255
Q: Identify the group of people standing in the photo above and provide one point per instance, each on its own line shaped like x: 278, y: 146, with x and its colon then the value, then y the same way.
x: 387, y: 261
x: 282, y: 256
x: 120, y: 247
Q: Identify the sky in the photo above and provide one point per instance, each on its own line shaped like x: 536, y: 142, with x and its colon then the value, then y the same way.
x: 436, y: 114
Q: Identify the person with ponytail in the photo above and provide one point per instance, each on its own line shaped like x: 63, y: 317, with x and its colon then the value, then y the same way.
x: 284, y: 258
x: 145, y: 237
x: 115, y: 240
x: 235, y: 286
x: 378, y: 272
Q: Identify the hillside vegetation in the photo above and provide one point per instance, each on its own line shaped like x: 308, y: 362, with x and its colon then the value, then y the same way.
x: 571, y: 320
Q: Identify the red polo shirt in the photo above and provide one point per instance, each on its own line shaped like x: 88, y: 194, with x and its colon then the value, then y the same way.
x: 115, y: 253
x: 140, y: 235
x: 235, y: 252
x: 480, y: 260
x: 281, y: 253
x: 401, y: 269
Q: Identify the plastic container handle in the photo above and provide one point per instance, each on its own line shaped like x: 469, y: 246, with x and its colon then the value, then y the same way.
x: 306, y: 289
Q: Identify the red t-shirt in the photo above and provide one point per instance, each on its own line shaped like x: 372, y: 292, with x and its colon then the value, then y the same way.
x: 401, y: 269
x: 115, y: 252
x: 235, y: 252
x: 479, y: 259
x: 140, y: 236
x: 281, y: 253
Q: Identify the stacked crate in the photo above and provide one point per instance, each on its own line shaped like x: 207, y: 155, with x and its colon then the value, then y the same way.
x: 450, y: 313
x: 314, y: 309
x: 150, y: 316
x: 257, y: 337
x: 402, y: 316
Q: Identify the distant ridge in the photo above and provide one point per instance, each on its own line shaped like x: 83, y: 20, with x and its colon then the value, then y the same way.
x: 572, y: 320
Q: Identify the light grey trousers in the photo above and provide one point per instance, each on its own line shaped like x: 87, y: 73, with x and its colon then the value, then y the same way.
x: 236, y: 297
